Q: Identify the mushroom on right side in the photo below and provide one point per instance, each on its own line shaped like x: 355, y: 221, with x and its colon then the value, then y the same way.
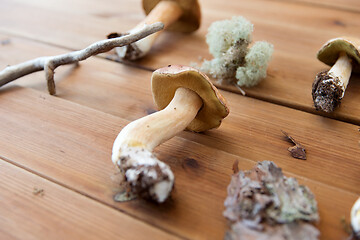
x: 343, y: 54
x: 355, y: 219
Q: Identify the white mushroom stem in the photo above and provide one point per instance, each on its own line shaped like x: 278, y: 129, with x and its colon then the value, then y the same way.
x: 132, y: 149
x: 50, y: 63
x: 166, y: 12
x: 342, y: 70
x: 355, y: 218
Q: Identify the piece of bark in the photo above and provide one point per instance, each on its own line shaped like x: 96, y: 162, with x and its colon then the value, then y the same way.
x: 264, y: 204
x: 298, y: 151
x: 291, y: 231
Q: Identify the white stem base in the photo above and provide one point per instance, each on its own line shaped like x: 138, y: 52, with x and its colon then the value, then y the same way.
x: 146, y: 175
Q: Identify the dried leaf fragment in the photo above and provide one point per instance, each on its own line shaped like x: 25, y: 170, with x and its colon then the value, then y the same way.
x: 298, y: 151
x: 264, y: 204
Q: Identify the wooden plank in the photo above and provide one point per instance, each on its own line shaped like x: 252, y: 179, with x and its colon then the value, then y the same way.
x: 252, y: 130
x: 296, y: 30
x: 59, y: 213
x: 17, y: 50
x: 71, y: 144
x: 73, y: 27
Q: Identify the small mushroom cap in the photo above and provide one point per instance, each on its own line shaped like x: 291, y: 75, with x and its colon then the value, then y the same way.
x: 330, y: 51
x: 165, y: 81
x: 188, y: 22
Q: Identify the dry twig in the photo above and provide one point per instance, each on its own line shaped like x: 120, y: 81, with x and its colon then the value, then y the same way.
x: 50, y: 63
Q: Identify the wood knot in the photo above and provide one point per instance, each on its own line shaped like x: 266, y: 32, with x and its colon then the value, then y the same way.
x: 190, y: 163
x: 339, y: 23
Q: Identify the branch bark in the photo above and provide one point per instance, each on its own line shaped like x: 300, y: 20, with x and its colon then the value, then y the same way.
x: 50, y: 63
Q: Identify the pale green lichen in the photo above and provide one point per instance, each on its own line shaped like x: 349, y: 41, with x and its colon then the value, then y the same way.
x: 226, y: 33
x: 256, y: 63
x: 233, y: 61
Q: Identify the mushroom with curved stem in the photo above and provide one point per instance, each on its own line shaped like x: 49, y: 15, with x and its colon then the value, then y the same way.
x: 343, y: 54
x: 177, y: 15
x: 188, y: 100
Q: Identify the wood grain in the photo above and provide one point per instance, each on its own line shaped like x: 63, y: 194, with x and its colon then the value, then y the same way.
x: 71, y: 144
x: 348, y: 5
x: 296, y: 30
x: 252, y: 129
x: 59, y: 213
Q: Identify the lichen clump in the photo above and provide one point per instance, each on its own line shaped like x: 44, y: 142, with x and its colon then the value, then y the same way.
x: 234, y: 61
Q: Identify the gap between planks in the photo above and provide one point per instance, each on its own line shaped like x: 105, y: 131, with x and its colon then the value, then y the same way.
x: 334, y: 115
x: 295, y: 102
x: 136, y: 65
x: 91, y: 83
x: 48, y: 183
x: 53, y: 180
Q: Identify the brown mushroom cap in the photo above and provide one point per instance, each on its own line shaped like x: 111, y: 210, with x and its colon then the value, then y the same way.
x: 188, y: 22
x: 330, y: 51
x: 165, y: 81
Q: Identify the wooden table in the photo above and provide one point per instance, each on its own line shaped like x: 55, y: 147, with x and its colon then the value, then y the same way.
x: 56, y: 177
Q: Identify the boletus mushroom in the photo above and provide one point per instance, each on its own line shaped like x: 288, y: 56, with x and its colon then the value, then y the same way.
x: 186, y: 100
x: 176, y: 15
x: 343, y: 54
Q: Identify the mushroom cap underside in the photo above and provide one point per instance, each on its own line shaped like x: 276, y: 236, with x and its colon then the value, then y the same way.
x: 330, y: 51
x: 165, y: 81
x: 190, y: 19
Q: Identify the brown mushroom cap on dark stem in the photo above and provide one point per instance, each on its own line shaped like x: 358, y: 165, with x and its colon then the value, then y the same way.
x: 165, y: 81
x: 190, y: 19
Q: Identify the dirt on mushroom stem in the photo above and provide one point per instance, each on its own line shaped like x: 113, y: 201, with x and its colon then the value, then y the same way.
x: 327, y: 92
x: 147, y: 176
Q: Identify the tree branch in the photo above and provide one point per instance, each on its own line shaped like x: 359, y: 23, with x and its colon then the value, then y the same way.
x: 49, y: 64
